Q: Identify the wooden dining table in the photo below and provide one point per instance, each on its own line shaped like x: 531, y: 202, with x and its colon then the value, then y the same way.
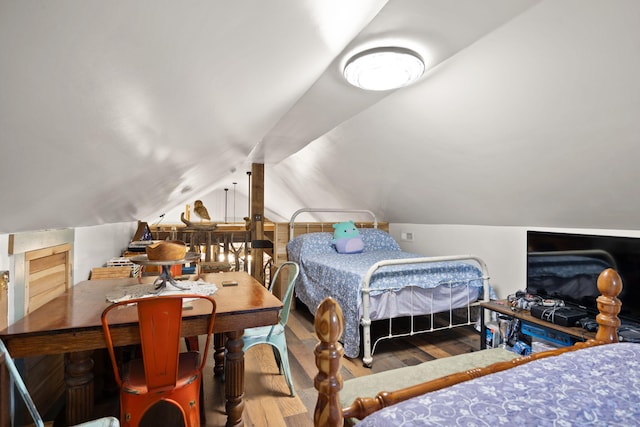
x: 70, y: 323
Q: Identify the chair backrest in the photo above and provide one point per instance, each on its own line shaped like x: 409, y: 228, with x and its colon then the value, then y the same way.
x: 20, y: 386
x: 293, y: 271
x: 160, y: 323
x: 16, y: 378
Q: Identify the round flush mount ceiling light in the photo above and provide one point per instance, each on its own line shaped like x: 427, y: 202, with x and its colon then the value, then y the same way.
x: 384, y: 68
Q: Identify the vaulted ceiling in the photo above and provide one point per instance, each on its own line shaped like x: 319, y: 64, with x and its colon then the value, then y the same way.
x: 115, y: 111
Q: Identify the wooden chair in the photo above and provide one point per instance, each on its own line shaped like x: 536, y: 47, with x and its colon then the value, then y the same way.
x: 274, y: 335
x: 163, y: 373
x: 20, y: 386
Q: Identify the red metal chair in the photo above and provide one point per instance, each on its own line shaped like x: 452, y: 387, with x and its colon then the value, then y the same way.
x: 164, y: 373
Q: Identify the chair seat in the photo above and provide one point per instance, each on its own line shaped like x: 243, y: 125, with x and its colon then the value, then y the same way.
x: 102, y: 422
x: 133, y: 381
x: 263, y: 331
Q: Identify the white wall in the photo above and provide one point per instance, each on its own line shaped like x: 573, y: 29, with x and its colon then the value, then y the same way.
x: 94, y: 246
x: 503, y: 249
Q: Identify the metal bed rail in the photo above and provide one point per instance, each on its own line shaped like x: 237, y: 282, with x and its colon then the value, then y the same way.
x: 365, y: 321
x: 305, y: 210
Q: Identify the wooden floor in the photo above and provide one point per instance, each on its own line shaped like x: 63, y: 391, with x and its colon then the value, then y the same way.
x: 267, y: 399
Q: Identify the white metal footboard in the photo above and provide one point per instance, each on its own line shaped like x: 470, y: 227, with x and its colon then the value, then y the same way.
x: 366, y: 318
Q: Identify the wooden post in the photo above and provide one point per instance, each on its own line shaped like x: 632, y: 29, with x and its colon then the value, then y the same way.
x: 610, y: 286
x: 257, y: 218
x: 329, y: 325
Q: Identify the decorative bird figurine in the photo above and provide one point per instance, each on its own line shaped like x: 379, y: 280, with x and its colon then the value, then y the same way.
x: 200, y: 210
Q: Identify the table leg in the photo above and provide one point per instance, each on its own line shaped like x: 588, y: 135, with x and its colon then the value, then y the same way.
x: 483, y: 329
x: 208, y: 257
x: 79, y: 381
x: 234, y: 378
x: 218, y: 354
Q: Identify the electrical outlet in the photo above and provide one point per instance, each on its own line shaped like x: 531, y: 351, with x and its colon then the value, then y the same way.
x: 407, y: 236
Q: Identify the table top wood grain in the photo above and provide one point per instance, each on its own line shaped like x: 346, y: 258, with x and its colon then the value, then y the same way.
x: 71, y: 322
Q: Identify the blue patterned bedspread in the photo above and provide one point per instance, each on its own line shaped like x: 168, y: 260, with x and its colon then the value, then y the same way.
x: 325, y: 272
x: 596, y: 386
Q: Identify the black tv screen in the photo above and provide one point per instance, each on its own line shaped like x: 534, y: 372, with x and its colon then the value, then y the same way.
x: 566, y: 266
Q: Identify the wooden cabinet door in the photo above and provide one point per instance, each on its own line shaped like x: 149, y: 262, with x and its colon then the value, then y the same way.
x: 47, y: 275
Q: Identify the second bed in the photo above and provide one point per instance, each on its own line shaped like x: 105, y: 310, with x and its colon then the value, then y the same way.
x: 384, y: 282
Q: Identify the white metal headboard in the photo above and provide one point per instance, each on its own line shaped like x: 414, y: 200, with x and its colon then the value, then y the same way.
x: 303, y: 210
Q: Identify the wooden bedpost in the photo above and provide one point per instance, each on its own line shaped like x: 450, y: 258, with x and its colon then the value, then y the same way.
x: 329, y: 325
x: 610, y: 286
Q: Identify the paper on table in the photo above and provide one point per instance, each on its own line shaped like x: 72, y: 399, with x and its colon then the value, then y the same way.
x: 124, y: 293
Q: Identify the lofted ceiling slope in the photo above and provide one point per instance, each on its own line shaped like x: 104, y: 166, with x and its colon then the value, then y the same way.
x: 117, y: 111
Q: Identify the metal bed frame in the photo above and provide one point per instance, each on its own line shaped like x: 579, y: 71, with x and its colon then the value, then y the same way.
x: 365, y: 320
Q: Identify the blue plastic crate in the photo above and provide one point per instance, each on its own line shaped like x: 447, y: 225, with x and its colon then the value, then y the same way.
x: 188, y: 270
x: 550, y: 335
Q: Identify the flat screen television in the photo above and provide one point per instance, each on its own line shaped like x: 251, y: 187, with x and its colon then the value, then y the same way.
x: 566, y: 266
